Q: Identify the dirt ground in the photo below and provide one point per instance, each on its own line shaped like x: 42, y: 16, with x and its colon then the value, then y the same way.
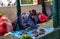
x: 8, y: 37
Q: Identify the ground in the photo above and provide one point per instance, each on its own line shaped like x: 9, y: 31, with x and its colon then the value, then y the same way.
x: 45, y: 25
x: 8, y: 37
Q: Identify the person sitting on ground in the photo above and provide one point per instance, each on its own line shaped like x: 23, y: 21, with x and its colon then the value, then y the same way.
x: 5, y: 25
x: 42, y: 18
x: 32, y: 22
x: 24, y: 18
x: 33, y: 12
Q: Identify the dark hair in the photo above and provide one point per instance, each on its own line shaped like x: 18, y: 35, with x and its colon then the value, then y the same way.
x: 29, y: 11
x: 34, y: 12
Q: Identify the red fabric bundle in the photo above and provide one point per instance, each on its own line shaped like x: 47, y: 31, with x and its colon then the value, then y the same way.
x: 3, y: 27
x: 42, y: 18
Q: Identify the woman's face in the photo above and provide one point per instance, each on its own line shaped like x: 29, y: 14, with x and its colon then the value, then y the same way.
x: 32, y: 16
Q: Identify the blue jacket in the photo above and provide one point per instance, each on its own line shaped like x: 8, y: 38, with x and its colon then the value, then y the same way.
x: 31, y: 23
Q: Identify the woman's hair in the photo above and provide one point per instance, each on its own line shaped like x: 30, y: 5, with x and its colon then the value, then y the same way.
x: 30, y: 11
x: 34, y: 12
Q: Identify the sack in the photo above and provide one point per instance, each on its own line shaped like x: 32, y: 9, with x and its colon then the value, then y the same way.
x: 42, y: 18
x: 3, y: 28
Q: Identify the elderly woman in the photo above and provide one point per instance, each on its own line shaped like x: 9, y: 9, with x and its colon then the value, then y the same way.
x: 5, y: 25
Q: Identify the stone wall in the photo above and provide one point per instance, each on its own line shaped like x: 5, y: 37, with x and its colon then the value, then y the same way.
x: 11, y: 12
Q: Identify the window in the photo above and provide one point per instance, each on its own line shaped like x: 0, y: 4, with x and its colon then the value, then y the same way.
x: 28, y: 2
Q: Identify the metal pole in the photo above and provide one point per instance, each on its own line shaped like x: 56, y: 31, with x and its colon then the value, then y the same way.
x: 44, y: 8
x: 59, y: 12
x: 18, y: 15
x: 55, y: 15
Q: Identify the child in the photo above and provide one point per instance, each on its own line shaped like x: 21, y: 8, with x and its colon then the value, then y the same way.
x: 35, y: 14
x: 32, y: 22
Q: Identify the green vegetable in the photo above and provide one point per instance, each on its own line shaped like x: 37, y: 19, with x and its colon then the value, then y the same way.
x: 26, y: 37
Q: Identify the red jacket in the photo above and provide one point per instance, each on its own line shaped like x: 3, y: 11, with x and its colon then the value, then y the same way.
x: 42, y: 18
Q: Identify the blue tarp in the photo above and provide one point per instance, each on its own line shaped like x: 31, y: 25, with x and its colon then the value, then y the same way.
x: 18, y: 33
